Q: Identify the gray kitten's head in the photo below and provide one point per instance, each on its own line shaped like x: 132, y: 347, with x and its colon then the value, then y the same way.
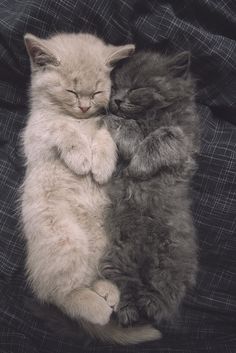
x: 147, y: 80
x: 72, y: 71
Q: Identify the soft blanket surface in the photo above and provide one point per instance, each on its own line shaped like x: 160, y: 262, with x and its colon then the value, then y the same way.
x: 207, y: 320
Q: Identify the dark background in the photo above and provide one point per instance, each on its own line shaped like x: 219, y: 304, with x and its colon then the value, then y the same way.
x: 207, y: 320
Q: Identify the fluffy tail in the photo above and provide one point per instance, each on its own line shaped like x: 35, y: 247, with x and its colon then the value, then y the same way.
x: 112, y: 333
x: 61, y: 324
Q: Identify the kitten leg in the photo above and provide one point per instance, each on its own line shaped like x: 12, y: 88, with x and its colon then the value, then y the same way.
x: 89, y: 305
x: 123, y: 299
x: 70, y: 143
x: 165, y: 147
x: 77, y: 157
x: 58, y: 264
x: 126, y: 134
x: 108, y: 291
x: 160, y: 298
x: 127, y: 311
x: 156, y: 305
x: 104, y: 156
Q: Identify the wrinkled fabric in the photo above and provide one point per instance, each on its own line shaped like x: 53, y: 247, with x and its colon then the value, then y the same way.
x: 207, y: 28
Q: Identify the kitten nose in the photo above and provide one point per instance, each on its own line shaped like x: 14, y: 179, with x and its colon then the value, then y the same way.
x: 118, y: 101
x: 84, y: 109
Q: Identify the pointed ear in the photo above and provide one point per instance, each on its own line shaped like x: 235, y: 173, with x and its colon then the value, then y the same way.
x: 180, y: 64
x: 117, y: 53
x: 40, y: 55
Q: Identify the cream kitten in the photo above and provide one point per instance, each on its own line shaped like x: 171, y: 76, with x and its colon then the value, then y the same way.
x: 70, y: 155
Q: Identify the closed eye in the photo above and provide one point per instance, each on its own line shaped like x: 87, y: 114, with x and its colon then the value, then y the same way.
x: 95, y: 93
x: 75, y: 93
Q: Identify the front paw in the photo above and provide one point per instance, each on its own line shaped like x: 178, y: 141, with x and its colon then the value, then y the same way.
x: 126, y: 133
x: 140, y: 166
x: 165, y: 147
x: 102, y: 169
x: 104, y: 156
x: 78, y: 160
x: 113, y: 122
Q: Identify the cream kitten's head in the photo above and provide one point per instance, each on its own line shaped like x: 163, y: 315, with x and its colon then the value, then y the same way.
x: 72, y: 71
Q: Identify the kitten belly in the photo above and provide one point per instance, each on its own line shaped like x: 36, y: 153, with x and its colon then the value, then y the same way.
x: 53, y: 193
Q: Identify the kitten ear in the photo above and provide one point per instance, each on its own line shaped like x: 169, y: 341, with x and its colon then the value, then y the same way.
x: 116, y: 53
x: 180, y: 64
x: 40, y: 55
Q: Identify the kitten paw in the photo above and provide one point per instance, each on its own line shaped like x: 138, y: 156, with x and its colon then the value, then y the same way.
x: 127, y: 315
x: 78, y: 160
x: 151, y: 307
x: 101, y: 174
x: 94, y: 308
x: 100, y: 312
x: 108, y: 291
x: 139, y: 167
x: 103, y: 157
x: 85, y: 303
x: 126, y: 133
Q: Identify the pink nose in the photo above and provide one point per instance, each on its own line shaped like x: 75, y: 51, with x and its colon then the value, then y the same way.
x: 84, y: 109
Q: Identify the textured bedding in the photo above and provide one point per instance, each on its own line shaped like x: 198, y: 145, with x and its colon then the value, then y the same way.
x: 207, y: 319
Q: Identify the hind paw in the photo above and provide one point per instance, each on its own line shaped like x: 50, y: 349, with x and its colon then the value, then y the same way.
x: 127, y: 315
x: 90, y: 306
x: 108, y: 291
x: 150, y: 307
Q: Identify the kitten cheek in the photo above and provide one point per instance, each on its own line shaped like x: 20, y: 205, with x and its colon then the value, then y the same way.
x: 102, y: 102
x: 105, y: 100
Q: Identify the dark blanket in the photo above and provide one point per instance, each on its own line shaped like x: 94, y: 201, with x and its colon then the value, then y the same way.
x: 207, y: 320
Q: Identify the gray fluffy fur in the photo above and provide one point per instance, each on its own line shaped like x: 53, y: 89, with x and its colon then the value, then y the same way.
x: 152, y: 257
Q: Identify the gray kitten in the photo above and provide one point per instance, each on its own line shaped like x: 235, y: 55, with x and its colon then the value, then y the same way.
x: 153, y: 255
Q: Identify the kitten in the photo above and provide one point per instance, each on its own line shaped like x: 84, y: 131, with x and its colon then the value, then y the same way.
x: 153, y: 255
x: 70, y: 155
